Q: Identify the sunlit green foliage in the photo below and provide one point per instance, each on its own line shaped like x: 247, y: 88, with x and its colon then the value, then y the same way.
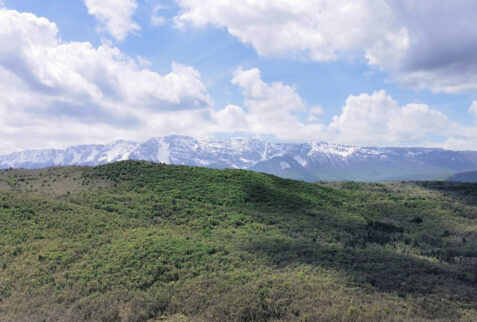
x: 137, y: 240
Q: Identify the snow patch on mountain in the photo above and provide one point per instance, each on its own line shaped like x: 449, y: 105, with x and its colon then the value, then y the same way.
x: 300, y: 160
x: 163, y: 152
x: 118, y: 151
x: 285, y: 165
x: 305, y: 159
x: 332, y: 149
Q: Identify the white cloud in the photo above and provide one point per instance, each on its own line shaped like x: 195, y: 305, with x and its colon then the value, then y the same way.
x: 366, y: 119
x: 314, y: 114
x: 377, y: 119
x: 467, y: 142
x: 473, y: 108
x: 271, y: 109
x: 311, y: 29
x: 232, y: 118
x: 423, y: 44
x: 54, y: 93
x: 115, y: 16
x: 156, y: 19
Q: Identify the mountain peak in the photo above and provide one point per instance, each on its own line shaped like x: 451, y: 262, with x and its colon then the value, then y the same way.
x: 307, y: 161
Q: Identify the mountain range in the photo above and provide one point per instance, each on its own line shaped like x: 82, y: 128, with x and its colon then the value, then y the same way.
x: 303, y: 161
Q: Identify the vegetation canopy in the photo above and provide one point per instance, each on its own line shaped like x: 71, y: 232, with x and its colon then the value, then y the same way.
x: 137, y: 241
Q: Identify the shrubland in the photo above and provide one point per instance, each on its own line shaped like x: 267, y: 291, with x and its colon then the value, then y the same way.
x: 138, y: 241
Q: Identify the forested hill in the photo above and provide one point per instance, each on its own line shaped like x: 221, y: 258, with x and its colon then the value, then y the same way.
x: 135, y: 241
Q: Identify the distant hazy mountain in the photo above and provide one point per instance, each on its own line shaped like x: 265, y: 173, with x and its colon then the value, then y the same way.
x: 469, y: 176
x: 305, y: 161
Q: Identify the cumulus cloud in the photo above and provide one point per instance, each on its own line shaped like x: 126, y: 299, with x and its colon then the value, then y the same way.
x: 232, y: 118
x: 114, y: 16
x: 424, y: 44
x: 55, y: 93
x: 377, y: 119
x: 269, y: 109
x: 311, y: 29
x: 314, y: 114
x: 69, y: 92
x: 441, y: 52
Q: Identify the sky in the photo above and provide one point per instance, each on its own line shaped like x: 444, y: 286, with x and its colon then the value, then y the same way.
x: 355, y: 72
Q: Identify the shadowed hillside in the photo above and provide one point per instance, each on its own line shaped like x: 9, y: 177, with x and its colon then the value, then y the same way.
x: 135, y: 241
x: 470, y: 176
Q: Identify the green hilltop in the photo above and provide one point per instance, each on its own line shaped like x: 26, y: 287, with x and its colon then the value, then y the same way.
x: 138, y: 241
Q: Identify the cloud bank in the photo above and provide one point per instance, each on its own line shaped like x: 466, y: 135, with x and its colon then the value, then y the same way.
x: 66, y: 92
x: 423, y: 44
x: 374, y: 119
x: 55, y: 93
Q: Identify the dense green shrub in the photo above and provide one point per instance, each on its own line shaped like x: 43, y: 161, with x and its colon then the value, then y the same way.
x: 135, y: 241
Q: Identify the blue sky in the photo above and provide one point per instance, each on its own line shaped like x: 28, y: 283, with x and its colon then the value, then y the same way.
x: 353, y: 72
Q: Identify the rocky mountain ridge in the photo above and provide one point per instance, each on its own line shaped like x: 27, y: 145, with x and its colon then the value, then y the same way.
x: 305, y: 161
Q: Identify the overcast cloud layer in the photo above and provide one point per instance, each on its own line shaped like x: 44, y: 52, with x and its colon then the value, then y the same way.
x: 55, y: 93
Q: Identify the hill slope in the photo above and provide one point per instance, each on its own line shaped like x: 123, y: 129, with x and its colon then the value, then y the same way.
x: 137, y: 241
x: 470, y: 176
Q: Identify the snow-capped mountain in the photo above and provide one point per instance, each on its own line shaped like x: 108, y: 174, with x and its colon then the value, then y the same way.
x: 306, y: 161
